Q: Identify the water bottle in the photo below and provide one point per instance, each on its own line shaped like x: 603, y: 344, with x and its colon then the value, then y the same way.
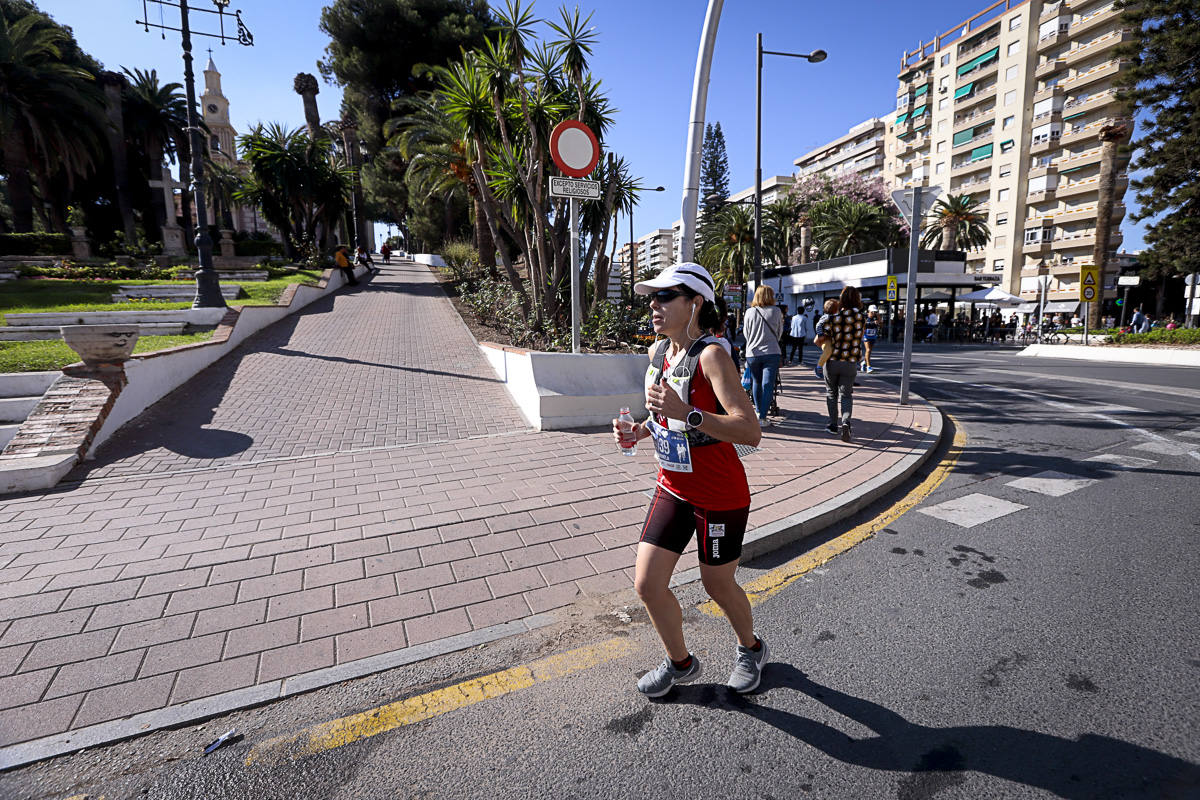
x: 628, y: 437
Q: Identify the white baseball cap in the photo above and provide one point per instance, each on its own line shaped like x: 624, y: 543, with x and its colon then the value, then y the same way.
x: 688, y: 273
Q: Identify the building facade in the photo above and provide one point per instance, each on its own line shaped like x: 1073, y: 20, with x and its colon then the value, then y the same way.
x: 858, y: 152
x: 1007, y: 107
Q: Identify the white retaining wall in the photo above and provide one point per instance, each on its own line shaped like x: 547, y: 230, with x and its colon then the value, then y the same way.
x: 1114, y: 353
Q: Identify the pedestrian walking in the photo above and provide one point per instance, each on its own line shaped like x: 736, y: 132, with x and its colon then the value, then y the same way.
x: 844, y: 331
x: 785, y: 336
x: 341, y: 259
x: 385, y: 252
x: 763, y: 326
x: 870, y: 334
x: 697, y: 412
x: 830, y: 308
x: 802, y: 331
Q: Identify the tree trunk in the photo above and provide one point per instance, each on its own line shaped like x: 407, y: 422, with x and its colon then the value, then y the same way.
x: 949, y: 239
x: 483, y: 240
x: 119, y: 150
x: 158, y: 209
x: 20, y: 186
x: 1110, y: 137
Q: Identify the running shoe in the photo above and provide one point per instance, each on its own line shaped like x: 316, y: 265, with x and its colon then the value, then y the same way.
x: 747, y: 669
x: 845, y: 433
x: 832, y: 428
x: 659, y: 680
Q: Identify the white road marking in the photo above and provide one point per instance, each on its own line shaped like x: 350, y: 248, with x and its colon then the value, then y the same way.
x: 1191, y: 434
x: 1167, y: 448
x: 1054, y: 484
x: 972, y: 510
x: 1176, y: 391
x: 1118, y: 461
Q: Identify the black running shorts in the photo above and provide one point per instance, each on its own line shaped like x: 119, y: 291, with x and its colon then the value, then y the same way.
x: 670, y: 523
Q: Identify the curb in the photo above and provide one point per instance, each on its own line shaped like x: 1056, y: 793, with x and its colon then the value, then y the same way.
x: 758, y: 542
x: 1115, y: 354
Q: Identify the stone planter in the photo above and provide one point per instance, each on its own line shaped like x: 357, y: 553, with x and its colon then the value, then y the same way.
x: 80, y: 247
x: 99, y: 345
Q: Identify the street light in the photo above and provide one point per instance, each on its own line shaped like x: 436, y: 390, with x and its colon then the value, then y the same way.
x: 633, y: 245
x: 815, y: 57
x: 208, y: 285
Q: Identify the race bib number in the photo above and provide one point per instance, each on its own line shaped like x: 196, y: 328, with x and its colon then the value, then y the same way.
x: 671, y: 448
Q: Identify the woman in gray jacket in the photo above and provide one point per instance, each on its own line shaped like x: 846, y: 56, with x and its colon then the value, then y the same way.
x: 763, y: 326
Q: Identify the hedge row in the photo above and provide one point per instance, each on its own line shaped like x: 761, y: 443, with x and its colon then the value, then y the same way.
x: 35, y: 244
x: 1159, y: 336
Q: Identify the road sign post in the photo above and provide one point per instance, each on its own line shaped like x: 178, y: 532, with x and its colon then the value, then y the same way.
x: 575, y: 151
x: 1089, y: 292
x: 909, y: 203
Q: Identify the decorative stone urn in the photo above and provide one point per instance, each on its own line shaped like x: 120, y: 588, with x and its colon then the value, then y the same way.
x: 104, y: 349
x: 226, y: 244
x: 80, y: 247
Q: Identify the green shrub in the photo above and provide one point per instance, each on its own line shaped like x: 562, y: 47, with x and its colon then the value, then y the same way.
x: 1160, y: 336
x: 104, y: 272
x: 461, y: 258
x: 35, y: 244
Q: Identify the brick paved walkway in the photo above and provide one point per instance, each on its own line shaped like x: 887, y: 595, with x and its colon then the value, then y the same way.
x: 145, y: 586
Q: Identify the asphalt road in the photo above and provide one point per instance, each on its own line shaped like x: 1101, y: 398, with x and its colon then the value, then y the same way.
x: 1040, y: 639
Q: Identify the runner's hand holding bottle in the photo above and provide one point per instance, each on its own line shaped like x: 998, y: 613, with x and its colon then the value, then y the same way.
x: 625, y: 431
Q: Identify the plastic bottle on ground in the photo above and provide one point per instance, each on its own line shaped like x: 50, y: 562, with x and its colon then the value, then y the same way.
x: 628, y: 438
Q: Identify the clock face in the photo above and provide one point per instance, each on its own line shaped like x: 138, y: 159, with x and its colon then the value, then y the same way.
x: 212, y: 108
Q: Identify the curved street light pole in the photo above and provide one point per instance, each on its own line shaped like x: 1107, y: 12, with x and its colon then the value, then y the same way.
x: 695, y: 140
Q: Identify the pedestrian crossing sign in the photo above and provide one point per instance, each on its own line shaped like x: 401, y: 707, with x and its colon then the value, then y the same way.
x: 1089, y: 284
x: 892, y: 292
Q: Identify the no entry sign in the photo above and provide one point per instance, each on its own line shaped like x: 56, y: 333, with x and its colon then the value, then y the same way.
x: 574, y: 148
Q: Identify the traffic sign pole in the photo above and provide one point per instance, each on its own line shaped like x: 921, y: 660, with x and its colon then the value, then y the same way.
x: 575, y: 151
x: 575, y: 302
x: 900, y: 198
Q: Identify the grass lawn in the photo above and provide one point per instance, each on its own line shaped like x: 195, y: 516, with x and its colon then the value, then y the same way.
x: 41, y: 356
x: 33, y: 295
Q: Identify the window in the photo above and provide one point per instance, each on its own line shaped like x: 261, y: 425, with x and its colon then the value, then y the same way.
x: 1005, y: 170
x: 937, y: 170
x: 1001, y: 195
x: 941, y: 126
x: 1000, y: 241
x: 943, y: 103
x: 1011, y: 72
x: 998, y: 264
x: 941, y: 146
x: 1014, y: 23
x: 945, y: 59
x: 944, y: 83
x: 1014, y: 47
x: 1007, y: 145
x: 1008, y: 122
x: 1002, y: 219
x: 1010, y: 97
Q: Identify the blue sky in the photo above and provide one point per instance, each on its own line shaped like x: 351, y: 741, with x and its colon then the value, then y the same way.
x: 645, y: 58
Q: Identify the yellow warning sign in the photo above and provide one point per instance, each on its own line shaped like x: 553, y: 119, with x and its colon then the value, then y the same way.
x: 1089, y: 284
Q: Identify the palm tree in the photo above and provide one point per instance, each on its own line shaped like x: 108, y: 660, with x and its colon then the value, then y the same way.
x: 780, y: 229
x: 956, y: 223
x: 727, y: 244
x: 845, y: 227
x: 47, y: 110
x: 156, y: 117
x: 1111, y: 136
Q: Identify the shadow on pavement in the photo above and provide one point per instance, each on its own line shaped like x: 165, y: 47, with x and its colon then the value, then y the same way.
x: 1088, y: 767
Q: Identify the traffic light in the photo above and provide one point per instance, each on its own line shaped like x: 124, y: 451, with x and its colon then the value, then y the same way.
x: 1120, y: 301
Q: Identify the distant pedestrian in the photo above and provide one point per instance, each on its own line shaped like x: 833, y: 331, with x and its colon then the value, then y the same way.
x: 763, y: 326
x: 785, y: 335
x: 385, y: 252
x: 697, y: 413
x: 844, y: 331
x: 870, y: 334
x: 341, y: 259
x: 1140, y: 323
x: 802, y: 331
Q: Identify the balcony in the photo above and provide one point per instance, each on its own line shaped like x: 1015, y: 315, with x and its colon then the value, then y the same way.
x: 1053, y: 115
x: 973, y: 141
x: 912, y: 145
x: 976, y: 117
x: 1094, y: 20
x: 1040, y: 195
x: 1078, y: 160
x: 1053, y: 10
x: 1091, y: 184
x: 1048, y: 92
x: 981, y: 71
x: 1086, y: 104
x: 1067, y: 241
x: 975, y: 99
x: 1082, y: 133
x: 1049, y: 67
x: 1097, y: 73
x: 978, y: 47
x: 1058, y: 37
x: 1096, y: 46
x: 1087, y: 212
x: 1044, y: 145
x: 1036, y: 248
x: 967, y: 167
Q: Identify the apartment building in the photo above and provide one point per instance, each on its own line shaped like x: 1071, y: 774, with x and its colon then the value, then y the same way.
x: 773, y: 188
x: 655, y: 251
x: 860, y: 151
x: 1007, y: 107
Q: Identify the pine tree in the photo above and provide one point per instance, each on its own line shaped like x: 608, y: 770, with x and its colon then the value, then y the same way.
x: 714, y: 171
x: 1163, y: 84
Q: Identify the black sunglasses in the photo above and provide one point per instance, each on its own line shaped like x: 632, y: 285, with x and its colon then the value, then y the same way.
x: 666, y: 295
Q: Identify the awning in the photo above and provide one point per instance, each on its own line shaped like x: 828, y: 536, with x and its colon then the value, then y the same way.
x: 919, y: 110
x: 1073, y: 116
x: 922, y: 90
x: 1072, y: 169
x: 1026, y: 308
x: 920, y: 127
x: 962, y: 91
x: 1003, y: 148
x: 1062, y: 307
x: 963, y: 137
x: 975, y: 62
x: 981, y: 152
x: 901, y: 118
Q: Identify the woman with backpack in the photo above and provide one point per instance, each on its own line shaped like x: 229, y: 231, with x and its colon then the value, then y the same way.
x: 763, y: 327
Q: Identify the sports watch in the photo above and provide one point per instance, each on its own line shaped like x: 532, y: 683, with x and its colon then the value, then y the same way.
x: 694, y: 419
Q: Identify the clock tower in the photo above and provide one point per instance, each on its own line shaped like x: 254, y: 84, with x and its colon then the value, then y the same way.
x: 222, y: 137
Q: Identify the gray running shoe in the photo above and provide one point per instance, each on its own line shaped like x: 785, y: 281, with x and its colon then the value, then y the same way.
x: 747, y: 671
x: 659, y: 680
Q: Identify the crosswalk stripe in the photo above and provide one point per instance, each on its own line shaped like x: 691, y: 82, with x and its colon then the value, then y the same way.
x: 971, y: 510
x: 1121, y: 461
x: 1052, y: 483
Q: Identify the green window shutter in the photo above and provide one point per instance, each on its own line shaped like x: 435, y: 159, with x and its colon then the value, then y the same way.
x: 901, y: 118
x: 963, y: 91
x: 975, y: 62
x: 919, y: 110
x: 963, y: 136
x: 981, y: 152
x: 921, y: 91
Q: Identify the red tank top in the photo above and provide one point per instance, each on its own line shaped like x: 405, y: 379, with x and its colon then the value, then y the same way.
x: 717, y: 481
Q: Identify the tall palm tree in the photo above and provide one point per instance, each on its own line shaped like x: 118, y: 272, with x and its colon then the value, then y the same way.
x: 956, y: 223
x: 46, y: 111
x: 156, y: 117
x: 844, y: 227
x: 727, y: 244
x: 780, y: 233
x: 1111, y: 137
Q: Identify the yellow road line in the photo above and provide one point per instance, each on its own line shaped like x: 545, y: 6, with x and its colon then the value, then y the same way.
x: 345, y: 730
x: 773, y: 582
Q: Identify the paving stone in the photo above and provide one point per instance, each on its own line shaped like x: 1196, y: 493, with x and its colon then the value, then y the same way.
x: 270, y: 586
x: 83, y: 676
x: 45, y: 626
x: 320, y: 624
x: 26, y: 687
x: 493, y: 612
x: 210, y: 679
x: 297, y: 603
x: 407, y: 606
x: 391, y: 562
x: 124, y: 699
x: 460, y: 593
x: 335, y: 574
x: 370, y: 642
x: 360, y: 591
x: 152, y: 632
x: 297, y: 659
x: 176, y: 656
x: 551, y: 597
x: 257, y: 638
x: 127, y: 611
x: 11, y: 657
x: 521, y: 580
x: 69, y: 649
x: 226, y: 618
x: 37, y: 720
x: 437, y: 626
x: 32, y: 604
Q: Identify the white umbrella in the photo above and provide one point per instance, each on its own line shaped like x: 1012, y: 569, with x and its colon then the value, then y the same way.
x: 992, y: 294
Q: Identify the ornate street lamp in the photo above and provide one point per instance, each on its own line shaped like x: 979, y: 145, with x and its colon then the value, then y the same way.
x: 208, y: 286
